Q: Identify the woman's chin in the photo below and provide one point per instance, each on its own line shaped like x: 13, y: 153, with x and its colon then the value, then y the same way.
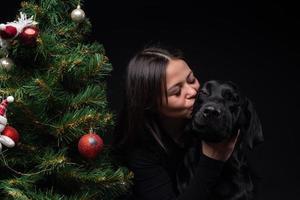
x: 189, y: 114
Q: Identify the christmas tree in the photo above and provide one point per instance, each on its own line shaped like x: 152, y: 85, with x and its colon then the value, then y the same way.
x: 54, y: 111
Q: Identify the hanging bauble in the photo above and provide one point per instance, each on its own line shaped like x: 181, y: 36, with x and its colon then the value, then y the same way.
x: 90, y: 145
x: 6, y: 63
x: 12, y: 133
x: 7, y: 31
x: 78, y: 15
x: 29, y: 35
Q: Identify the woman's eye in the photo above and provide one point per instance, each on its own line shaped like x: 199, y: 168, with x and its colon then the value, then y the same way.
x: 191, y: 79
x: 177, y: 93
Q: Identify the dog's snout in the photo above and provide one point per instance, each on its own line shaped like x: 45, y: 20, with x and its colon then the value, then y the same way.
x: 211, y: 111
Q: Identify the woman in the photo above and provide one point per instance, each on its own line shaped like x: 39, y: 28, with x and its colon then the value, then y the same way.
x: 160, y: 92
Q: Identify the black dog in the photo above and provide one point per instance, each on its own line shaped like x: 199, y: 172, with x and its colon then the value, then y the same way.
x: 220, y: 111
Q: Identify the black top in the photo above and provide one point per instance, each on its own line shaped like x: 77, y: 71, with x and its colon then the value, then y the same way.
x: 156, y: 173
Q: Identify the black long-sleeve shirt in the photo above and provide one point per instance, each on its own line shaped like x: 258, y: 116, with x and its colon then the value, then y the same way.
x: 155, y: 175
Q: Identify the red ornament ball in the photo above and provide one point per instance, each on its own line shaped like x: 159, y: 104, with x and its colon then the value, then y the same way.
x: 12, y: 133
x: 29, y: 35
x: 90, y: 145
x: 8, y: 32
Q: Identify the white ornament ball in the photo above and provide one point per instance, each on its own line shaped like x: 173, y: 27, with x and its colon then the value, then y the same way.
x: 6, y: 63
x: 78, y: 15
x: 10, y: 99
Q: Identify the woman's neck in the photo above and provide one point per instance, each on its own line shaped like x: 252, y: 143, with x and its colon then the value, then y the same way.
x: 173, y: 127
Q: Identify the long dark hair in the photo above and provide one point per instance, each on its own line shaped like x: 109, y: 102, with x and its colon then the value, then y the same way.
x: 145, y: 84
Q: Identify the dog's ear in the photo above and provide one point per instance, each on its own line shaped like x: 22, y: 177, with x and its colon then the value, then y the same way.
x: 251, y: 125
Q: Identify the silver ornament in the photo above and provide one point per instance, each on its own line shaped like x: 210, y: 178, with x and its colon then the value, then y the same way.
x: 78, y: 15
x: 6, y: 63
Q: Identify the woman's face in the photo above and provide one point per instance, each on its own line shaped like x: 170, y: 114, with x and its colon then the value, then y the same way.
x: 182, y: 87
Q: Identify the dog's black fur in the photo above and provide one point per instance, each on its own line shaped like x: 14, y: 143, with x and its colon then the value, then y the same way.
x: 219, y: 112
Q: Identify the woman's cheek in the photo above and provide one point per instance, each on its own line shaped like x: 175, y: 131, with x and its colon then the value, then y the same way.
x: 179, y: 105
x: 197, y: 85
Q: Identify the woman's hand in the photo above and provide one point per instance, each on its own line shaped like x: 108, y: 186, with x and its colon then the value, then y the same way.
x: 220, y: 151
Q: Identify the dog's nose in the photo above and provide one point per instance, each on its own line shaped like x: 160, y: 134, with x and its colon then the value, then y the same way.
x: 211, y: 112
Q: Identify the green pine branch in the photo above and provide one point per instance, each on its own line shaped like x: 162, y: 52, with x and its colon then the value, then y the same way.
x: 60, y: 92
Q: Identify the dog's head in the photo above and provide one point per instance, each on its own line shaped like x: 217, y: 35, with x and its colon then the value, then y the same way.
x: 220, y: 111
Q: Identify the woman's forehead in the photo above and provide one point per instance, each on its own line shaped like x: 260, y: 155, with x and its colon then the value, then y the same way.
x: 177, y: 70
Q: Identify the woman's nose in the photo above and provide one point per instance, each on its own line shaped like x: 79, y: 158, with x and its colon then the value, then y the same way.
x: 192, y: 92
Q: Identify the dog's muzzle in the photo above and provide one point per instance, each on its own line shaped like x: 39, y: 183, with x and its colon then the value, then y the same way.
x: 211, y: 112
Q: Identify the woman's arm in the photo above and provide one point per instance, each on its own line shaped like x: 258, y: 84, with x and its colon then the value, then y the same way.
x: 152, y: 181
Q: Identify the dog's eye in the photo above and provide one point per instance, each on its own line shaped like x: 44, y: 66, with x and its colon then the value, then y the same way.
x: 203, y: 92
x: 229, y: 96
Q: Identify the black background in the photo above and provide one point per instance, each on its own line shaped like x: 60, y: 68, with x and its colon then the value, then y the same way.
x: 254, y: 44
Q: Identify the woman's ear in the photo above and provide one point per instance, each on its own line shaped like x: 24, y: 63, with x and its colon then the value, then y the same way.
x: 251, y: 125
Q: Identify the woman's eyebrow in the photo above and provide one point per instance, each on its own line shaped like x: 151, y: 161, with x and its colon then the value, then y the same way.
x: 175, y: 85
